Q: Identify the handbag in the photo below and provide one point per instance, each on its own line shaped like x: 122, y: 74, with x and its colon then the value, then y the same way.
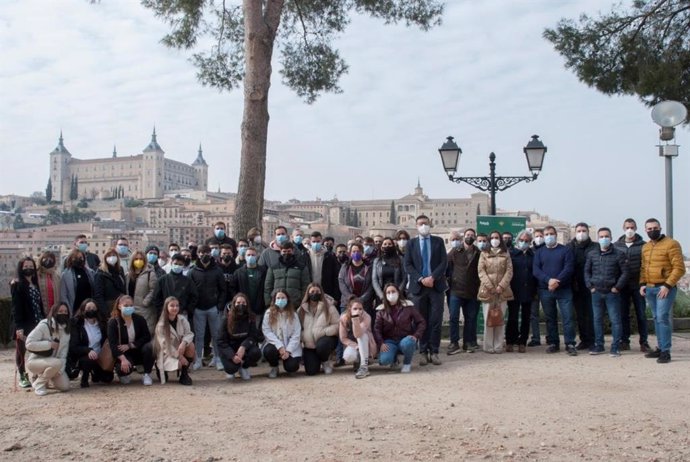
x: 494, y: 318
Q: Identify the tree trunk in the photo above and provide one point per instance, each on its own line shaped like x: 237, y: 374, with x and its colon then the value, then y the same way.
x: 261, y: 25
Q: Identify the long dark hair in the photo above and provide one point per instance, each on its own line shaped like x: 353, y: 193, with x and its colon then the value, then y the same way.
x: 232, y: 314
x: 79, y: 314
x: 502, y: 244
x: 20, y: 276
x: 51, y: 317
x: 386, y: 303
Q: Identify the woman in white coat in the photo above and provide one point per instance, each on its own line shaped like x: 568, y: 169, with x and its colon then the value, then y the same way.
x: 48, y: 345
x: 173, y: 344
x: 282, y: 330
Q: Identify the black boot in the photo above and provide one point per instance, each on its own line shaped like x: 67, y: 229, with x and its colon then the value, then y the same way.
x: 185, y: 379
x: 85, y: 379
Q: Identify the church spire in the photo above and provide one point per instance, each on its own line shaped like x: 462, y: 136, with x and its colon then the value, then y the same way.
x: 114, y: 151
x: 153, y: 145
x: 200, y: 158
x: 60, y: 148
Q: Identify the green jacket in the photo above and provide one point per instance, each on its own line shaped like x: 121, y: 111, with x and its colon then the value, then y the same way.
x: 292, y: 276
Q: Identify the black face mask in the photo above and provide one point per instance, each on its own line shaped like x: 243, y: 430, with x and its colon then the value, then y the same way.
x: 329, y: 247
x: 388, y: 251
x: 288, y: 258
x: 227, y: 258
x: 90, y: 314
x: 187, y: 261
x: 205, y: 259
x: 62, y: 319
x: 654, y: 234
x: 315, y: 297
x: 508, y: 243
x: 343, y: 258
x: 241, y: 308
x: 47, y: 263
x: 79, y: 263
x: 469, y: 240
x: 28, y: 272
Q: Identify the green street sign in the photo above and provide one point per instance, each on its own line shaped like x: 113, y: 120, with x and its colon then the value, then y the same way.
x: 488, y: 223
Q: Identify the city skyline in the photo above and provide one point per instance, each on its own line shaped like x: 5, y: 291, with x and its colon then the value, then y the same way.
x: 99, y: 74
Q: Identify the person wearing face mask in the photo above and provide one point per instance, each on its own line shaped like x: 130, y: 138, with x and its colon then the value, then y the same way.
x: 227, y: 264
x: 661, y: 269
x: 242, y: 246
x: 319, y: 320
x: 463, y: 259
x: 301, y: 250
x: 554, y: 266
x: 270, y: 258
x: 77, y: 282
x: 176, y: 284
x: 605, y: 276
x: 537, y: 243
x: 89, y: 351
x: 238, y: 338
x: 355, y: 334
x: 387, y: 268
x: 123, y: 252
x: 48, y: 345
x: 173, y: 343
x: 130, y: 341
x: 402, y: 237
x: 220, y: 237
x: 109, y: 282
x: 173, y: 249
x: 189, y: 262
x: 630, y: 243
x: 495, y: 269
x: 290, y: 275
x: 582, y: 245
x: 425, y: 263
x: 369, y: 250
x: 91, y: 259
x: 27, y: 311
x: 152, y: 258
x: 507, y: 238
x: 141, y: 283
x: 329, y: 244
x: 191, y: 250
x: 282, y: 330
x: 48, y: 280
x: 250, y: 280
x: 341, y: 254
x: 212, y: 292
x: 524, y: 287
x: 255, y: 240
x: 355, y: 279
x: 324, y: 267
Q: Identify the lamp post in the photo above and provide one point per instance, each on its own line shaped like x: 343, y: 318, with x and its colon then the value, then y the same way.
x: 668, y: 114
x: 450, y: 156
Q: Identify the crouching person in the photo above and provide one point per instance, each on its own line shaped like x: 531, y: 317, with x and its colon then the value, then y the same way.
x: 357, y: 337
x: 282, y: 331
x: 89, y: 351
x: 173, y: 344
x: 130, y: 341
x: 48, y: 344
x: 319, y: 319
x: 238, y: 338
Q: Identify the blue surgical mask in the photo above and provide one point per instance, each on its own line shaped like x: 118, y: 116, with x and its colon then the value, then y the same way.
x: 83, y: 246
x: 215, y: 252
x: 604, y: 242
x: 298, y: 239
x: 368, y: 249
x: 127, y: 310
x: 177, y: 269
x: 281, y: 239
x: 242, y: 250
x: 550, y: 240
x: 151, y: 258
x: 122, y: 249
x: 481, y: 245
x: 251, y: 261
x: 316, y: 246
x: 281, y: 303
x: 220, y: 233
x: 522, y: 245
x: 456, y: 244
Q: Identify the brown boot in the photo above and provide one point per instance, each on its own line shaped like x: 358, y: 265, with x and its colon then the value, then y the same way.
x: 509, y: 348
x: 522, y: 348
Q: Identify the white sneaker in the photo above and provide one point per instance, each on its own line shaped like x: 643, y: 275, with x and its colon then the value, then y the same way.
x: 219, y: 365
x: 273, y: 373
x: 147, y: 380
x: 196, y: 365
x: 125, y: 379
x: 244, y: 373
x: 327, y: 367
x: 406, y: 368
x: 230, y: 377
x: 40, y: 391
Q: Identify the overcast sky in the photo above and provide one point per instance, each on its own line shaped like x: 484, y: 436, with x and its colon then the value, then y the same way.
x: 486, y: 76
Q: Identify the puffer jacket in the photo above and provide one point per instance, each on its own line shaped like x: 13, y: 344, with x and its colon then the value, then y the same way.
x: 495, y: 269
x: 108, y: 286
x: 633, y: 258
x: 462, y: 271
x: 320, y: 323
x: 605, y: 270
x: 408, y: 322
x: 580, y: 251
x: 41, y: 336
x: 662, y: 262
x: 210, y: 286
x: 291, y: 276
x: 144, y: 292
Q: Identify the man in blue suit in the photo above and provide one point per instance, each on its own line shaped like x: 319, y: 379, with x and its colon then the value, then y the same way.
x: 425, y: 264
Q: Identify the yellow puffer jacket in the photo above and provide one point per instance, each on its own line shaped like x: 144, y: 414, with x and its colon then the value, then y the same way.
x: 662, y: 262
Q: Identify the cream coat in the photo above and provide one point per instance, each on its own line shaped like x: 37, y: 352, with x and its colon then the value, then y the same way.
x: 165, y: 347
x: 320, y: 323
x: 144, y: 291
x: 495, y: 269
x: 40, y: 338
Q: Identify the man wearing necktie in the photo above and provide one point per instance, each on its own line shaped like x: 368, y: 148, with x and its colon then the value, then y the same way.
x: 425, y: 264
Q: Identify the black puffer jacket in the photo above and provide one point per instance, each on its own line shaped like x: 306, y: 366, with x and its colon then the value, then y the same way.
x: 633, y: 255
x: 580, y: 252
x: 210, y: 286
x: 605, y: 270
x: 108, y: 286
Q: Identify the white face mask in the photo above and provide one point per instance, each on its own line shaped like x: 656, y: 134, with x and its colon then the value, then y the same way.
x: 111, y: 260
x: 402, y: 243
x: 581, y: 236
x: 424, y: 229
x: 538, y: 241
x: 495, y: 243
x: 456, y: 244
x: 392, y: 298
x: 630, y: 233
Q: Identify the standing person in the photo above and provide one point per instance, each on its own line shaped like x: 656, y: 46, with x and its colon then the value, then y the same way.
x: 463, y: 260
x: 141, y: 283
x: 211, y: 291
x: 397, y: 329
x: 89, y: 351
x: 227, y: 264
x: 220, y: 237
x: 662, y: 267
x: 77, y: 282
x: 325, y: 268
x: 173, y: 249
x: 630, y: 243
x: 507, y: 237
x: 91, y: 259
x: 369, y: 250
x: 152, y: 258
x: 250, y: 280
x: 606, y: 274
x: 27, y: 311
x: 238, y: 338
x: 255, y: 240
x: 341, y: 254
x: 387, y: 268
x: 582, y: 245
x: 300, y: 250
x: 48, y: 280
x: 319, y: 320
x: 48, y: 344
x: 175, y: 284
x: 290, y: 274
x: 329, y: 244
x: 109, y: 282
x: 355, y: 334
x: 553, y: 267
x: 355, y: 279
x: 123, y: 252
x: 402, y: 237
x: 524, y: 287
x: 130, y: 341
x: 495, y: 270
x: 270, y: 257
x: 425, y: 264
x: 242, y: 246
x: 282, y: 330
x: 537, y: 243
x: 173, y: 343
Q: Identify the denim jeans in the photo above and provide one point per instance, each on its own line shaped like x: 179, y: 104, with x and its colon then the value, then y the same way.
x: 612, y: 304
x: 406, y: 346
x: 627, y: 295
x: 551, y: 302
x: 534, y: 321
x: 661, y: 310
x: 201, y: 317
x: 469, y: 308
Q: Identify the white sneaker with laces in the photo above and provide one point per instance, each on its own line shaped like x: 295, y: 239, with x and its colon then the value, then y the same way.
x: 406, y: 368
x: 219, y: 365
x: 244, y: 373
x: 147, y: 380
x: 196, y: 365
x: 40, y: 391
x: 327, y: 367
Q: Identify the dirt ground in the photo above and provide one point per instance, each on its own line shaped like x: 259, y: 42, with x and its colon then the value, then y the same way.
x: 476, y: 406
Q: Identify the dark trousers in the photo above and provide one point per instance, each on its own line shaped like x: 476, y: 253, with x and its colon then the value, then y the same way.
x: 138, y: 356
x: 271, y: 354
x: 470, y: 310
x: 20, y: 352
x: 89, y: 366
x: 430, y: 305
x: 250, y: 359
x: 582, y: 302
x: 518, y: 313
x: 313, y: 357
x: 628, y: 295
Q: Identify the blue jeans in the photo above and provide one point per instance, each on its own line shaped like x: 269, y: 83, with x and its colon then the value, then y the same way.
x: 628, y: 294
x: 661, y: 310
x: 470, y: 308
x: 201, y: 317
x: 612, y: 303
x: 534, y: 321
x: 406, y: 346
x: 551, y: 302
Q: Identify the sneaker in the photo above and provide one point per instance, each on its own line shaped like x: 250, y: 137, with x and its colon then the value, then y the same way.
x: 615, y: 353
x: 244, y: 373
x: 327, y: 368
x: 553, y: 349
x: 230, y: 377
x: 581, y: 346
x: 624, y: 346
x: 41, y: 391
x: 571, y: 350
x: 509, y: 348
x: 597, y: 350
x: 533, y: 343
x: 423, y: 359
x: 453, y: 349
x: 472, y: 348
x: 656, y: 353
x: 125, y: 379
x: 219, y: 365
x: 406, y: 368
x: 24, y: 381
x: 147, y: 380
x: 197, y: 364
x: 339, y: 363
x: 435, y: 360
x: 395, y: 365
x: 273, y: 373
x: 664, y: 357
x: 645, y: 348
x: 362, y: 372
x: 522, y: 349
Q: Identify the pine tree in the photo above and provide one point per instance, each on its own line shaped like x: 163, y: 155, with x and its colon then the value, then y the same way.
x: 393, y: 218
x: 49, y: 191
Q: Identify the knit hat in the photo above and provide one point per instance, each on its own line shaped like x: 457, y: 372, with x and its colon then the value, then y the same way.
x: 152, y: 247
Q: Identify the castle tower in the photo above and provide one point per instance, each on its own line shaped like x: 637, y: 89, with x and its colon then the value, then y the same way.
x: 201, y: 169
x: 152, y: 174
x: 60, y: 175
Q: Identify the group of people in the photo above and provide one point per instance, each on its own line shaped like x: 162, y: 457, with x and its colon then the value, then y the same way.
x: 305, y: 301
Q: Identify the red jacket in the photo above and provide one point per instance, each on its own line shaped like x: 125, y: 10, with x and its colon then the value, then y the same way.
x: 408, y: 322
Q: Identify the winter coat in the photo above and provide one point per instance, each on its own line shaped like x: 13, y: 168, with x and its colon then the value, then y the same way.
x: 43, y: 276
x: 350, y: 331
x: 662, y: 262
x: 605, y: 270
x: 495, y: 269
x: 463, y: 273
x: 523, y: 284
x: 117, y: 334
x: 79, y: 340
x: 25, y: 318
x: 270, y: 257
x: 399, y: 278
x: 245, y: 334
x: 633, y: 258
x: 346, y: 281
x: 165, y: 347
x: 144, y: 291
x: 408, y: 322
x: 40, y: 338
x: 240, y: 283
x: 68, y: 287
x: 323, y: 322
x: 179, y: 286
x: 580, y: 251
x: 107, y: 288
x: 291, y: 276
x: 285, y: 334
x: 330, y: 269
x: 210, y: 286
